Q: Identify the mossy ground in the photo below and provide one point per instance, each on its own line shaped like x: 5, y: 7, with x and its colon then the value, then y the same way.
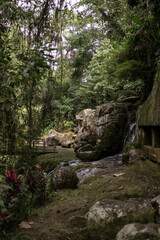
x: 53, y: 221
x: 51, y: 160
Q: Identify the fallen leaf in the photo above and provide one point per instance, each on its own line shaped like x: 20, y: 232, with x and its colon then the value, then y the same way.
x: 120, y: 188
x: 24, y: 225
x: 118, y: 174
x: 64, y: 198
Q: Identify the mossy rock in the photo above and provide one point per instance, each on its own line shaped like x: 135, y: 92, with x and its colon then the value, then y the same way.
x: 107, y: 217
x: 112, y: 139
x: 64, y: 177
x: 138, y: 231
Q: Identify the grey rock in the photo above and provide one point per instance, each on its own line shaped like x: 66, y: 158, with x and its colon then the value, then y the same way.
x: 111, y: 210
x: 138, y: 231
x: 106, y: 218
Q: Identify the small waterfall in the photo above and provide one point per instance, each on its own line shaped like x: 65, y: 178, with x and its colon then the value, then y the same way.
x: 130, y: 136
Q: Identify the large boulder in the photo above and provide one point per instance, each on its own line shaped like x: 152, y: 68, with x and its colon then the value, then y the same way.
x: 135, y: 231
x: 101, y: 131
x: 64, y: 177
x: 64, y: 139
x: 105, y: 218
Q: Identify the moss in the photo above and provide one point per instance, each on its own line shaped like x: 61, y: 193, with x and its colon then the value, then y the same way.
x: 146, y: 236
x: 112, y: 139
x: 64, y: 178
x: 110, y: 132
x: 148, y: 113
x: 50, y: 161
x: 108, y: 230
x: 125, y: 157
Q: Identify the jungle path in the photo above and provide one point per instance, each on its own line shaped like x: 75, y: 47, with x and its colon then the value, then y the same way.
x: 63, y: 217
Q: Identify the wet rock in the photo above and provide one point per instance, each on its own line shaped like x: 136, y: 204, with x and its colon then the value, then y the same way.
x: 109, y: 216
x: 135, y: 231
x: 64, y: 177
x: 99, y: 167
x: 84, y: 173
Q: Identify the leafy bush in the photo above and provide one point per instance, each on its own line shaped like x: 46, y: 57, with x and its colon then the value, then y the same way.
x: 18, y: 194
x: 14, y: 199
x: 37, y: 183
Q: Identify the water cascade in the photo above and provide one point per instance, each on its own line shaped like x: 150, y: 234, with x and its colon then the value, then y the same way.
x: 130, y: 136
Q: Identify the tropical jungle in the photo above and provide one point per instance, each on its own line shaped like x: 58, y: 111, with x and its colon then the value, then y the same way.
x: 79, y: 100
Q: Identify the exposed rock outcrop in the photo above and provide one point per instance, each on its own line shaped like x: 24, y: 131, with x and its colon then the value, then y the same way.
x: 101, y: 131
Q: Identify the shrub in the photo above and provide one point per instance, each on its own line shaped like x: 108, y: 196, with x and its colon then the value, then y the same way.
x: 14, y: 199
x: 37, y: 183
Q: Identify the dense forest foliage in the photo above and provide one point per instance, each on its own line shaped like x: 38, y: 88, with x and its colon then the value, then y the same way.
x: 59, y: 57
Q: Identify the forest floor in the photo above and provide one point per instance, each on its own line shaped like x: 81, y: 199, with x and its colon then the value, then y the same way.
x: 62, y: 218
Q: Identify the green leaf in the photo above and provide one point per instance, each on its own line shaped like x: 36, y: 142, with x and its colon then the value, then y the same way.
x: 1, y: 203
x: 4, y: 186
x: 137, y: 20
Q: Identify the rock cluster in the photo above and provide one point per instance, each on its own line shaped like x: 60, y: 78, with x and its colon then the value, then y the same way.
x: 101, y: 131
x: 132, y: 219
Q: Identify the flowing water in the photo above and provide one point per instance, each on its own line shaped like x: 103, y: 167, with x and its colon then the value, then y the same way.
x: 130, y: 136
x: 100, y: 167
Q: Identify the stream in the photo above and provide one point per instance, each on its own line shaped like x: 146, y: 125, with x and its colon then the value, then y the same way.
x: 100, y: 167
